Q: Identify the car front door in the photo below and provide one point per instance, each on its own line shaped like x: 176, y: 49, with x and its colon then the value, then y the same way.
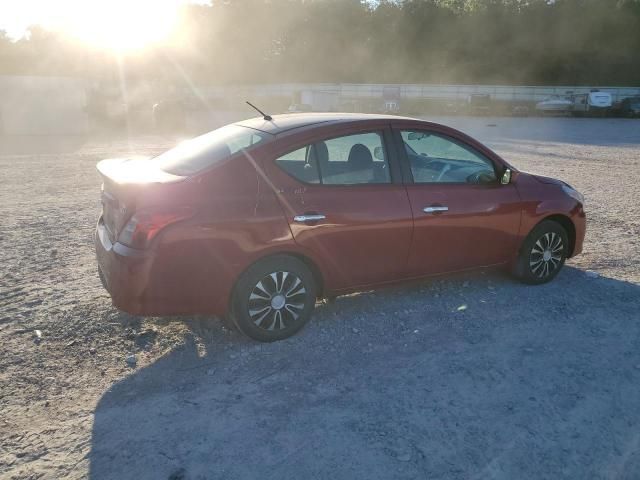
x: 345, y: 202
x: 463, y: 216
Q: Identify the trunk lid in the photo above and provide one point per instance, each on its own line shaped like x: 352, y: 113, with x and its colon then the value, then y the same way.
x: 129, y: 183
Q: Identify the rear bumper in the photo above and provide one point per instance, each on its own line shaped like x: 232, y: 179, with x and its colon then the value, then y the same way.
x: 167, y: 279
x: 124, y: 273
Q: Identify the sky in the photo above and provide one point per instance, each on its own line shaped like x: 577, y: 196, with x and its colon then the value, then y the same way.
x: 136, y: 22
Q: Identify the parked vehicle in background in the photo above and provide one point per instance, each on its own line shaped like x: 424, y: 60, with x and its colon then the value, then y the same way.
x: 391, y: 99
x: 628, y: 107
x: 256, y: 220
x: 592, y: 103
x: 519, y: 110
x: 319, y: 101
x: 299, y: 108
x: 479, y: 104
x: 391, y: 106
x: 555, y: 104
x: 453, y: 107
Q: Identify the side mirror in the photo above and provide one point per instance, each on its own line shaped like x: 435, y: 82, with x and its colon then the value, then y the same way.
x: 378, y: 153
x: 506, y: 177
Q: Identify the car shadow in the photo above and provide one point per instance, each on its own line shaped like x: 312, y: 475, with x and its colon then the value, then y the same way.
x: 475, y: 376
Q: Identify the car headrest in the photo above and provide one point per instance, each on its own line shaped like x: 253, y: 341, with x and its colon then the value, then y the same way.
x: 360, y: 157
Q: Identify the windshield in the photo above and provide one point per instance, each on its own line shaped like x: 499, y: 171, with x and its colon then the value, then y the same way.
x: 193, y: 156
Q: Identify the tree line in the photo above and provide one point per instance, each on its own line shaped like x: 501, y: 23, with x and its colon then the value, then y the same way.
x: 526, y: 42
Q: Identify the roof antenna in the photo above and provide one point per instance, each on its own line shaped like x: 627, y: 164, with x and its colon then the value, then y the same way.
x: 264, y: 115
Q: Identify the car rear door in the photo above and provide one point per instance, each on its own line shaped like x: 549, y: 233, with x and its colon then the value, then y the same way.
x: 342, y: 194
x: 463, y: 216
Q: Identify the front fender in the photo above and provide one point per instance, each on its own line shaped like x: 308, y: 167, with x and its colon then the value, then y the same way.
x: 547, y: 200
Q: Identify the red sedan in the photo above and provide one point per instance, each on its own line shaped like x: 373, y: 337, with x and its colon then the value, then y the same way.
x: 257, y: 220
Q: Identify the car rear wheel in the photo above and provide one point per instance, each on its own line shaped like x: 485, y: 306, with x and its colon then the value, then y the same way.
x: 542, y: 254
x: 273, y: 299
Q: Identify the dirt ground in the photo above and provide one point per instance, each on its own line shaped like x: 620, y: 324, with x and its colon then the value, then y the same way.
x: 523, y: 383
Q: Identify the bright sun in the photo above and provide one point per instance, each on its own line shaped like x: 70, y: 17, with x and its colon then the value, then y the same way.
x: 123, y: 25
x: 119, y: 25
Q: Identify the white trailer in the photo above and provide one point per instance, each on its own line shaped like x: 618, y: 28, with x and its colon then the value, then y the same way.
x: 591, y: 103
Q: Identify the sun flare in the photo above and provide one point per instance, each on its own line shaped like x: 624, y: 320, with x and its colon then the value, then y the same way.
x: 118, y: 25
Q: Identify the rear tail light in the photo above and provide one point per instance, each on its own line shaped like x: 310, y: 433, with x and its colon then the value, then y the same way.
x: 144, y: 225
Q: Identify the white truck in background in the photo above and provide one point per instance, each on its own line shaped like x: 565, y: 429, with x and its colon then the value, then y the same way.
x: 593, y: 103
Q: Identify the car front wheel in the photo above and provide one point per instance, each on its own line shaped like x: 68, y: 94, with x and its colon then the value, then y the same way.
x: 542, y: 254
x: 274, y: 298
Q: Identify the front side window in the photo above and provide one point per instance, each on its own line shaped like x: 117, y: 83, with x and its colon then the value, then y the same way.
x: 349, y: 160
x: 193, y: 156
x: 436, y: 158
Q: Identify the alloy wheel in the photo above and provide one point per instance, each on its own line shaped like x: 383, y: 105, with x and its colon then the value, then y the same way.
x: 546, y: 255
x: 277, y: 301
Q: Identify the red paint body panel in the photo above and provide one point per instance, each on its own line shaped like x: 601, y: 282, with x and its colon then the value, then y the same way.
x: 372, y: 234
x: 367, y: 233
x: 479, y: 229
x: 543, y: 200
x: 365, y: 238
x: 192, y: 266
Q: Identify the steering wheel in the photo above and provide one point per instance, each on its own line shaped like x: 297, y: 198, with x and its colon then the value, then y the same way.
x: 481, y: 177
x: 444, y: 170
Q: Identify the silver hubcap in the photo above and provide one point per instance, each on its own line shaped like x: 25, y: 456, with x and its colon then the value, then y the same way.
x: 277, y: 301
x: 546, y: 255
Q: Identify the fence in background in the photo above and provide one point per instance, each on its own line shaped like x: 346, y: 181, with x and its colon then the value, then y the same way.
x: 41, y: 105
x: 416, y: 91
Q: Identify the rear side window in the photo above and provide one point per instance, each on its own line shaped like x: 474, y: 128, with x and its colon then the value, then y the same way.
x: 349, y: 160
x: 301, y: 164
x: 197, y: 154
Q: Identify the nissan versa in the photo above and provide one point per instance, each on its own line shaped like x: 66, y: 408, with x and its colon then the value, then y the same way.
x: 257, y: 220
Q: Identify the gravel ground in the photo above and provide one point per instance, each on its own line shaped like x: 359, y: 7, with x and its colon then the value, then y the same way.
x: 521, y: 382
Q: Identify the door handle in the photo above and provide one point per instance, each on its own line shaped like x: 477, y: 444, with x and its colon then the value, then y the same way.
x: 311, y: 217
x: 435, y: 209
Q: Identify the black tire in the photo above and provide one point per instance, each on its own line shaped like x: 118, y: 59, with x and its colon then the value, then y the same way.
x: 273, y: 299
x: 542, y: 254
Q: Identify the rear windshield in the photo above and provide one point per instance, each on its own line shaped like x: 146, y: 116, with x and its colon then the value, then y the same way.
x: 193, y: 156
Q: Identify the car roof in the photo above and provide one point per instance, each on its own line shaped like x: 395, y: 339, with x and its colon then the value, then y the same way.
x: 286, y: 122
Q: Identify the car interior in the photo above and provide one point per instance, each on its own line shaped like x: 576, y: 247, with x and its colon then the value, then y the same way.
x: 439, y: 161
x: 446, y: 170
x: 314, y: 164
